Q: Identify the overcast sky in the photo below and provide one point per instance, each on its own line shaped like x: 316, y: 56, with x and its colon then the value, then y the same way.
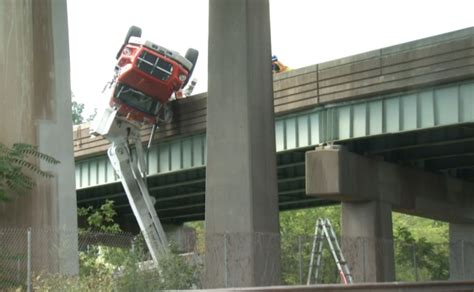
x: 304, y: 32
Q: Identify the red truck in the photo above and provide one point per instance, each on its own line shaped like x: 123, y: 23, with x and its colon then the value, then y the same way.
x: 146, y: 77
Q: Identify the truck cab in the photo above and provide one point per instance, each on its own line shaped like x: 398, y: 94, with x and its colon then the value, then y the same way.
x: 146, y: 77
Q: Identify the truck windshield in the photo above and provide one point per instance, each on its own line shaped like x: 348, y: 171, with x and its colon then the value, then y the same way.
x: 136, y: 99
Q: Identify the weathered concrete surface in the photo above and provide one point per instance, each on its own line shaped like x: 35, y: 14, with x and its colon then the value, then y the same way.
x: 435, y: 60
x: 345, y: 176
x: 181, y: 237
x: 242, y: 231
x: 367, y: 240
x: 461, y: 252
x: 35, y: 108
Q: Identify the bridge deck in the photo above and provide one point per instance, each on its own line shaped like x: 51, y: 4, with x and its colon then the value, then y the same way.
x: 411, y: 104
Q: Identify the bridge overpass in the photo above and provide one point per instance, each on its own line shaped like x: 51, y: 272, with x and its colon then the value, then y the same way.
x: 411, y: 104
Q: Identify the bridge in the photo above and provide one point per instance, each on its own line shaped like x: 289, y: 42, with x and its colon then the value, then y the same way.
x: 411, y: 104
x: 401, y: 116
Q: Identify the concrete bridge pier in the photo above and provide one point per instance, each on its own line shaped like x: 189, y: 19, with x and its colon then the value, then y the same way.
x: 370, y: 189
x: 461, y: 252
x: 242, y: 228
x: 35, y: 108
x: 367, y: 242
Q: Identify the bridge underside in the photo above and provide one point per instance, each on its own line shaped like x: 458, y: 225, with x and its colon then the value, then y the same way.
x: 180, y: 195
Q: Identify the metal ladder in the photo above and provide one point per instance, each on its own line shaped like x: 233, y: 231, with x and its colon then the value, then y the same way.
x: 323, y: 229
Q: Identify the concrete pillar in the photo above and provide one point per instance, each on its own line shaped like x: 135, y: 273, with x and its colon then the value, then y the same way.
x: 367, y: 240
x: 242, y: 229
x: 35, y: 108
x: 182, y: 238
x: 461, y: 252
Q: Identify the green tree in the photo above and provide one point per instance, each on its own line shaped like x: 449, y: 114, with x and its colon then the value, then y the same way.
x: 16, y: 168
x: 297, y: 229
x: 419, y: 259
x: 97, y: 259
x: 100, y: 219
x: 77, y: 109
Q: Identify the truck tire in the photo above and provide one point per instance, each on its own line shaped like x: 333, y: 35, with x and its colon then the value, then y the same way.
x: 133, y: 31
x: 192, y: 56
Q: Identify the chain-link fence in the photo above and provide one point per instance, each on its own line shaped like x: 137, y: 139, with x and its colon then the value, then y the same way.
x: 13, y: 257
x: 368, y: 260
x: 41, y: 260
x: 45, y: 260
x: 413, y: 261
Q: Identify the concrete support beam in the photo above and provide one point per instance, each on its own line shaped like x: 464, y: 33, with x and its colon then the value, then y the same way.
x: 242, y: 229
x: 367, y: 240
x: 35, y: 108
x: 336, y: 174
x: 461, y: 252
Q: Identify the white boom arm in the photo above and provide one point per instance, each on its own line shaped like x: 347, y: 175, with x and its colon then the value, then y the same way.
x: 132, y: 173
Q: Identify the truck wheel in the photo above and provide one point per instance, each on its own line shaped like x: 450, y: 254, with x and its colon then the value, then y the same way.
x: 192, y: 56
x: 133, y: 31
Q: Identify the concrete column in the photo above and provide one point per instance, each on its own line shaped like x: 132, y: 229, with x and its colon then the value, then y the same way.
x: 242, y: 229
x: 181, y: 237
x: 367, y: 240
x: 461, y: 252
x: 35, y: 108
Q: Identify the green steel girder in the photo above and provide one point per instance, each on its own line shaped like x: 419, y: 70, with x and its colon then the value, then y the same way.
x: 423, y: 109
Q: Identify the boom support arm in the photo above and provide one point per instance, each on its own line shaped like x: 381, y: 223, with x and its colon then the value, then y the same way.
x: 132, y: 173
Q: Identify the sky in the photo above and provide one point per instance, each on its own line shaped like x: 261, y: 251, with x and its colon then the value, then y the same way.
x: 304, y: 32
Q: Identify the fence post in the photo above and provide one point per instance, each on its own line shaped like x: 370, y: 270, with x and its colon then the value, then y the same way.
x: 364, y: 258
x: 136, y: 263
x: 300, y: 260
x: 462, y: 261
x: 18, y: 269
x: 415, y: 263
x: 225, y: 261
x: 28, y: 267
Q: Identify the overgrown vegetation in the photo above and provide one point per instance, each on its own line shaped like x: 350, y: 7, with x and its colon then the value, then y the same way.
x: 17, y: 165
x: 107, y: 266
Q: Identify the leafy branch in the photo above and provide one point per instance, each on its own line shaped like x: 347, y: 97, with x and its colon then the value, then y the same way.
x: 14, y: 162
